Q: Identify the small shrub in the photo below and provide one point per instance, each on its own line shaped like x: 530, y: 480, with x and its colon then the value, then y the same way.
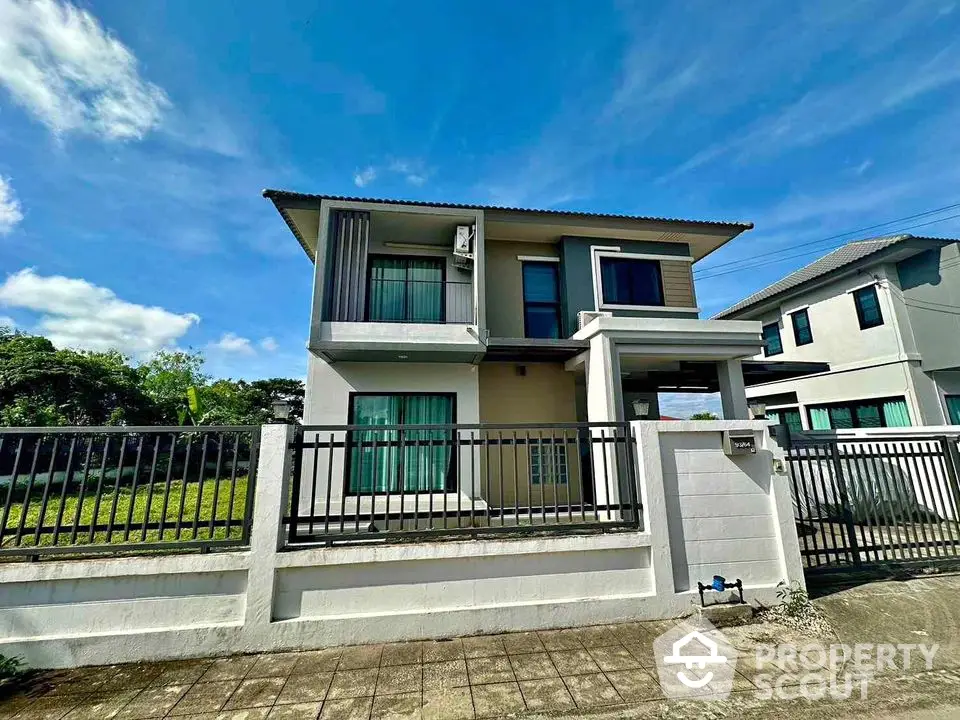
x: 796, y: 602
x: 10, y: 667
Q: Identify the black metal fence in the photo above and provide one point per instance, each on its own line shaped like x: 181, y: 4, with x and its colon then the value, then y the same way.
x: 376, y: 482
x: 116, y: 489
x: 872, y: 500
x: 419, y: 301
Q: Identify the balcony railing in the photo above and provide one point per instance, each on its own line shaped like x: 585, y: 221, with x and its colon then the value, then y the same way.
x: 358, y: 483
x: 419, y: 301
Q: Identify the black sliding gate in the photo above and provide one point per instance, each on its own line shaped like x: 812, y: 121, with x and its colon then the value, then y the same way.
x: 870, y: 500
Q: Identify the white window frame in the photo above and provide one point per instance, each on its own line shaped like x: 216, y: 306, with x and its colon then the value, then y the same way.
x: 600, y: 251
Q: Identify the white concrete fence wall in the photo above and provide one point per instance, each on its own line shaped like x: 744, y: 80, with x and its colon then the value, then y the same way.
x: 704, y: 513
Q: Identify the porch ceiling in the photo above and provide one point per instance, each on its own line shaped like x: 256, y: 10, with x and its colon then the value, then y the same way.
x: 656, y: 375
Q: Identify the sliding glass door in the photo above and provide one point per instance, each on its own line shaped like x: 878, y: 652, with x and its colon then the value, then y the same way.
x: 381, y: 460
x: 405, y: 289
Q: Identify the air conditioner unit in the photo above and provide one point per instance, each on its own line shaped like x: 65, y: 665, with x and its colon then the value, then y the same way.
x: 585, y: 317
x: 463, y: 247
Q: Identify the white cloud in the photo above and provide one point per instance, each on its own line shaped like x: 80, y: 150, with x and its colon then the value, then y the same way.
x: 59, y: 63
x: 10, y: 212
x: 269, y: 344
x: 78, y: 314
x: 233, y: 343
x: 7, y: 322
x: 364, y: 177
x: 413, y: 171
x: 683, y: 405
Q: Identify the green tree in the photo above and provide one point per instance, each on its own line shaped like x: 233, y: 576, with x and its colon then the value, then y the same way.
x: 704, y: 416
x: 166, y: 378
x: 40, y: 385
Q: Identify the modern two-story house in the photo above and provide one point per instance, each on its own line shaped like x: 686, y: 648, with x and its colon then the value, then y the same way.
x: 884, y: 314
x: 436, y: 313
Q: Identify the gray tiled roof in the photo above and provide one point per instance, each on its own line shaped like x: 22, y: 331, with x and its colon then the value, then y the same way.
x: 842, y: 256
x: 281, y: 194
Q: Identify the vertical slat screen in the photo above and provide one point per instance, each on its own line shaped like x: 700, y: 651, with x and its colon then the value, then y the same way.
x: 351, y: 237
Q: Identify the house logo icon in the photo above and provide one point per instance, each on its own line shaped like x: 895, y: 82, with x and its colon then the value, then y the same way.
x: 695, y: 661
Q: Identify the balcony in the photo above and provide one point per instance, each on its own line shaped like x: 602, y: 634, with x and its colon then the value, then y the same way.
x: 395, y: 290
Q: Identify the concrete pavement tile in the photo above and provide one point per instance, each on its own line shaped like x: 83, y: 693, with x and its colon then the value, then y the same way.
x: 643, y: 652
x: 71, y: 687
x: 447, y: 704
x: 353, y: 683
x: 273, y: 665
x: 154, y: 702
x: 597, y: 636
x: 317, y: 661
x: 400, y: 679
x: 519, y: 643
x: 205, y: 697
x: 483, y: 646
x: 301, y: 711
x: 629, y: 633
x: 574, y: 662
x: 591, y: 690
x: 360, y: 657
x: 443, y: 675
x: 405, y: 706
x: 498, y: 699
x: 408, y: 653
x: 487, y: 670
x: 130, y: 677
x: 546, y: 694
x: 49, y: 708
x: 305, y: 689
x: 181, y: 673
x: 230, y: 668
x: 615, y: 657
x: 560, y: 640
x: 100, y: 708
x: 635, y: 685
x: 245, y: 714
x: 347, y: 709
x: 533, y: 666
x: 442, y: 650
x: 255, y: 693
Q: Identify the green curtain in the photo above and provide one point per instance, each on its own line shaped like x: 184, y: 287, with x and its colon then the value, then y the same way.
x: 895, y: 413
x: 375, y: 469
x: 953, y: 409
x: 425, y: 291
x: 774, y: 415
x: 386, y: 301
x: 819, y: 419
x: 426, y: 453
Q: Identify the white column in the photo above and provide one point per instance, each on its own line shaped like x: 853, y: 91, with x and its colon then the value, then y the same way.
x: 272, y: 487
x: 604, y: 404
x: 654, y: 502
x: 733, y: 394
x: 792, y: 563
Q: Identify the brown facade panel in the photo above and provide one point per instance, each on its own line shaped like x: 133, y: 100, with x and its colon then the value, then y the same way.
x: 678, y: 284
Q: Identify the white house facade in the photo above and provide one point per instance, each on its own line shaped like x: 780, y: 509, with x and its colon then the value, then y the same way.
x: 884, y: 314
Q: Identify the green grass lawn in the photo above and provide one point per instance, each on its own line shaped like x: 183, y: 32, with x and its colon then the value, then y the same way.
x: 136, y: 506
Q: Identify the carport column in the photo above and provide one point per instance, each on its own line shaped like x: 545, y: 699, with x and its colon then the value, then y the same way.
x: 733, y: 394
x: 274, y: 465
x: 604, y: 404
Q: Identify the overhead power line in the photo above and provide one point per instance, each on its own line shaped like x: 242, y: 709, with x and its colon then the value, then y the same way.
x: 752, y: 266
x: 828, y: 239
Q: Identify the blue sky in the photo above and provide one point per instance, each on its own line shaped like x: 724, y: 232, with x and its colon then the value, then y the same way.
x: 135, y: 139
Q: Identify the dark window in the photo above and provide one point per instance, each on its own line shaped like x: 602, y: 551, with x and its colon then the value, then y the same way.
x: 541, y: 300
x: 380, y: 460
x: 868, y: 307
x: 801, y: 328
x: 405, y: 289
x: 953, y: 409
x: 885, y: 412
x: 772, y: 344
x: 627, y: 281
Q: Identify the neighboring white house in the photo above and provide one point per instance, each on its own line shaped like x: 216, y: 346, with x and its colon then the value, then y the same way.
x: 884, y: 314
